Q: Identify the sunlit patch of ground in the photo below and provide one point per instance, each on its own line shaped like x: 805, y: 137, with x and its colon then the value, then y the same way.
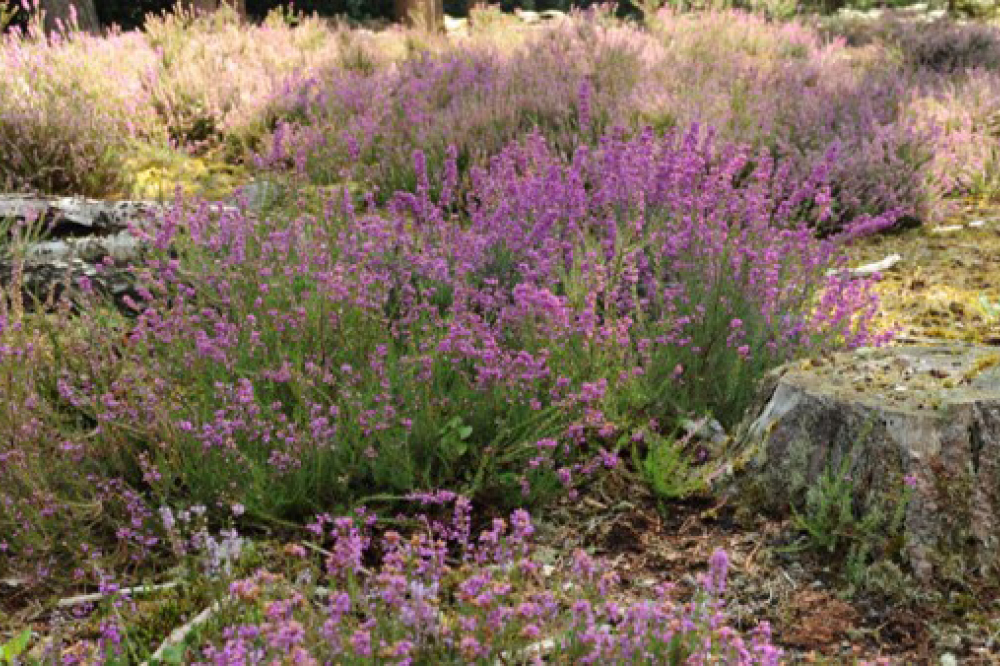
x: 157, y: 173
x: 947, y: 286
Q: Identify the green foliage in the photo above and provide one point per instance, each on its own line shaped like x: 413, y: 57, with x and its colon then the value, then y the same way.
x: 992, y: 310
x: 14, y: 648
x: 8, y: 11
x: 667, y: 467
x: 832, y: 523
x: 829, y: 519
x: 15, y: 236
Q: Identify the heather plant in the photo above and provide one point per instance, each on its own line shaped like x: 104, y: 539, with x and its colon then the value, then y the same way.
x: 316, y: 360
x: 942, y: 45
x: 949, y: 47
x: 70, y: 107
x: 571, y: 84
x: 832, y: 522
x: 961, y: 111
x: 780, y: 86
x: 74, y: 106
x: 441, y: 593
x: 219, y: 80
x: 465, y: 280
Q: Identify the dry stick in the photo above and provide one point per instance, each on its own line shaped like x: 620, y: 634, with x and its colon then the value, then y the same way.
x: 868, y: 269
x: 129, y: 591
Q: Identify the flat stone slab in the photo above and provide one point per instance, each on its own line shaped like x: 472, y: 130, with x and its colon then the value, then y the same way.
x: 926, y: 415
x: 78, y: 236
x: 77, y: 216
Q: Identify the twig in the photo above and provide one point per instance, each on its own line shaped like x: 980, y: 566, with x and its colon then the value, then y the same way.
x: 868, y: 269
x: 129, y: 591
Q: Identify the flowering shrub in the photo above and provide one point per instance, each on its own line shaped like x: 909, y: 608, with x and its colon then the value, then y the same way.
x: 780, y: 86
x: 942, y: 45
x: 570, y: 84
x: 72, y: 105
x: 69, y: 105
x: 340, y: 105
x: 445, y: 595
x: 519, y: 262
x: 218, y: 79
x: 948, y: 87
x: 296, y: 364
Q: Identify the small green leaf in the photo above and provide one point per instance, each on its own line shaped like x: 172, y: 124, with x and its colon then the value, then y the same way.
x: 174, y: 654
x: 464, y: 432
x: 992, y: 310
x: 15, y: 647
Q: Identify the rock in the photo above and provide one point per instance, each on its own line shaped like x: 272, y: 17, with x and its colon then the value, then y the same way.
x: 705, y: 429
x: 80, y: 235
x: 42, y: 285
x: 926, y: 415
x: 75, y: 216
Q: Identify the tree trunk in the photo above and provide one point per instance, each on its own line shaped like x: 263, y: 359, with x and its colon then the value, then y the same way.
x: 425, y: 14
x: 59, y: 12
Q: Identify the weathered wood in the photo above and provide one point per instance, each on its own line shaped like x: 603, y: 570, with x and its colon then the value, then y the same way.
x: 77, y: 216
x: 78, y: 237
x: 929, y: 415
x: 868, y: 270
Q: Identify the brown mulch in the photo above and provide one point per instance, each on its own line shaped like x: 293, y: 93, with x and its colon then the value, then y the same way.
x: 815, y: 617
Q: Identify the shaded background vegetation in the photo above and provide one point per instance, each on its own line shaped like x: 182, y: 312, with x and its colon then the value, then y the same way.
x: 130, y: 14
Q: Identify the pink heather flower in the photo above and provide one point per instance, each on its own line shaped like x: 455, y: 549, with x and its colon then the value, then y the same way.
x: 167, y: 517
x: 361, y: 641
x: 718, y: 565
x: 470, y: 647
x: 565, y: 476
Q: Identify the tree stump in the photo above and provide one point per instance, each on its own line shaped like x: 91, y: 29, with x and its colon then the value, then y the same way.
x: 929, y: 416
